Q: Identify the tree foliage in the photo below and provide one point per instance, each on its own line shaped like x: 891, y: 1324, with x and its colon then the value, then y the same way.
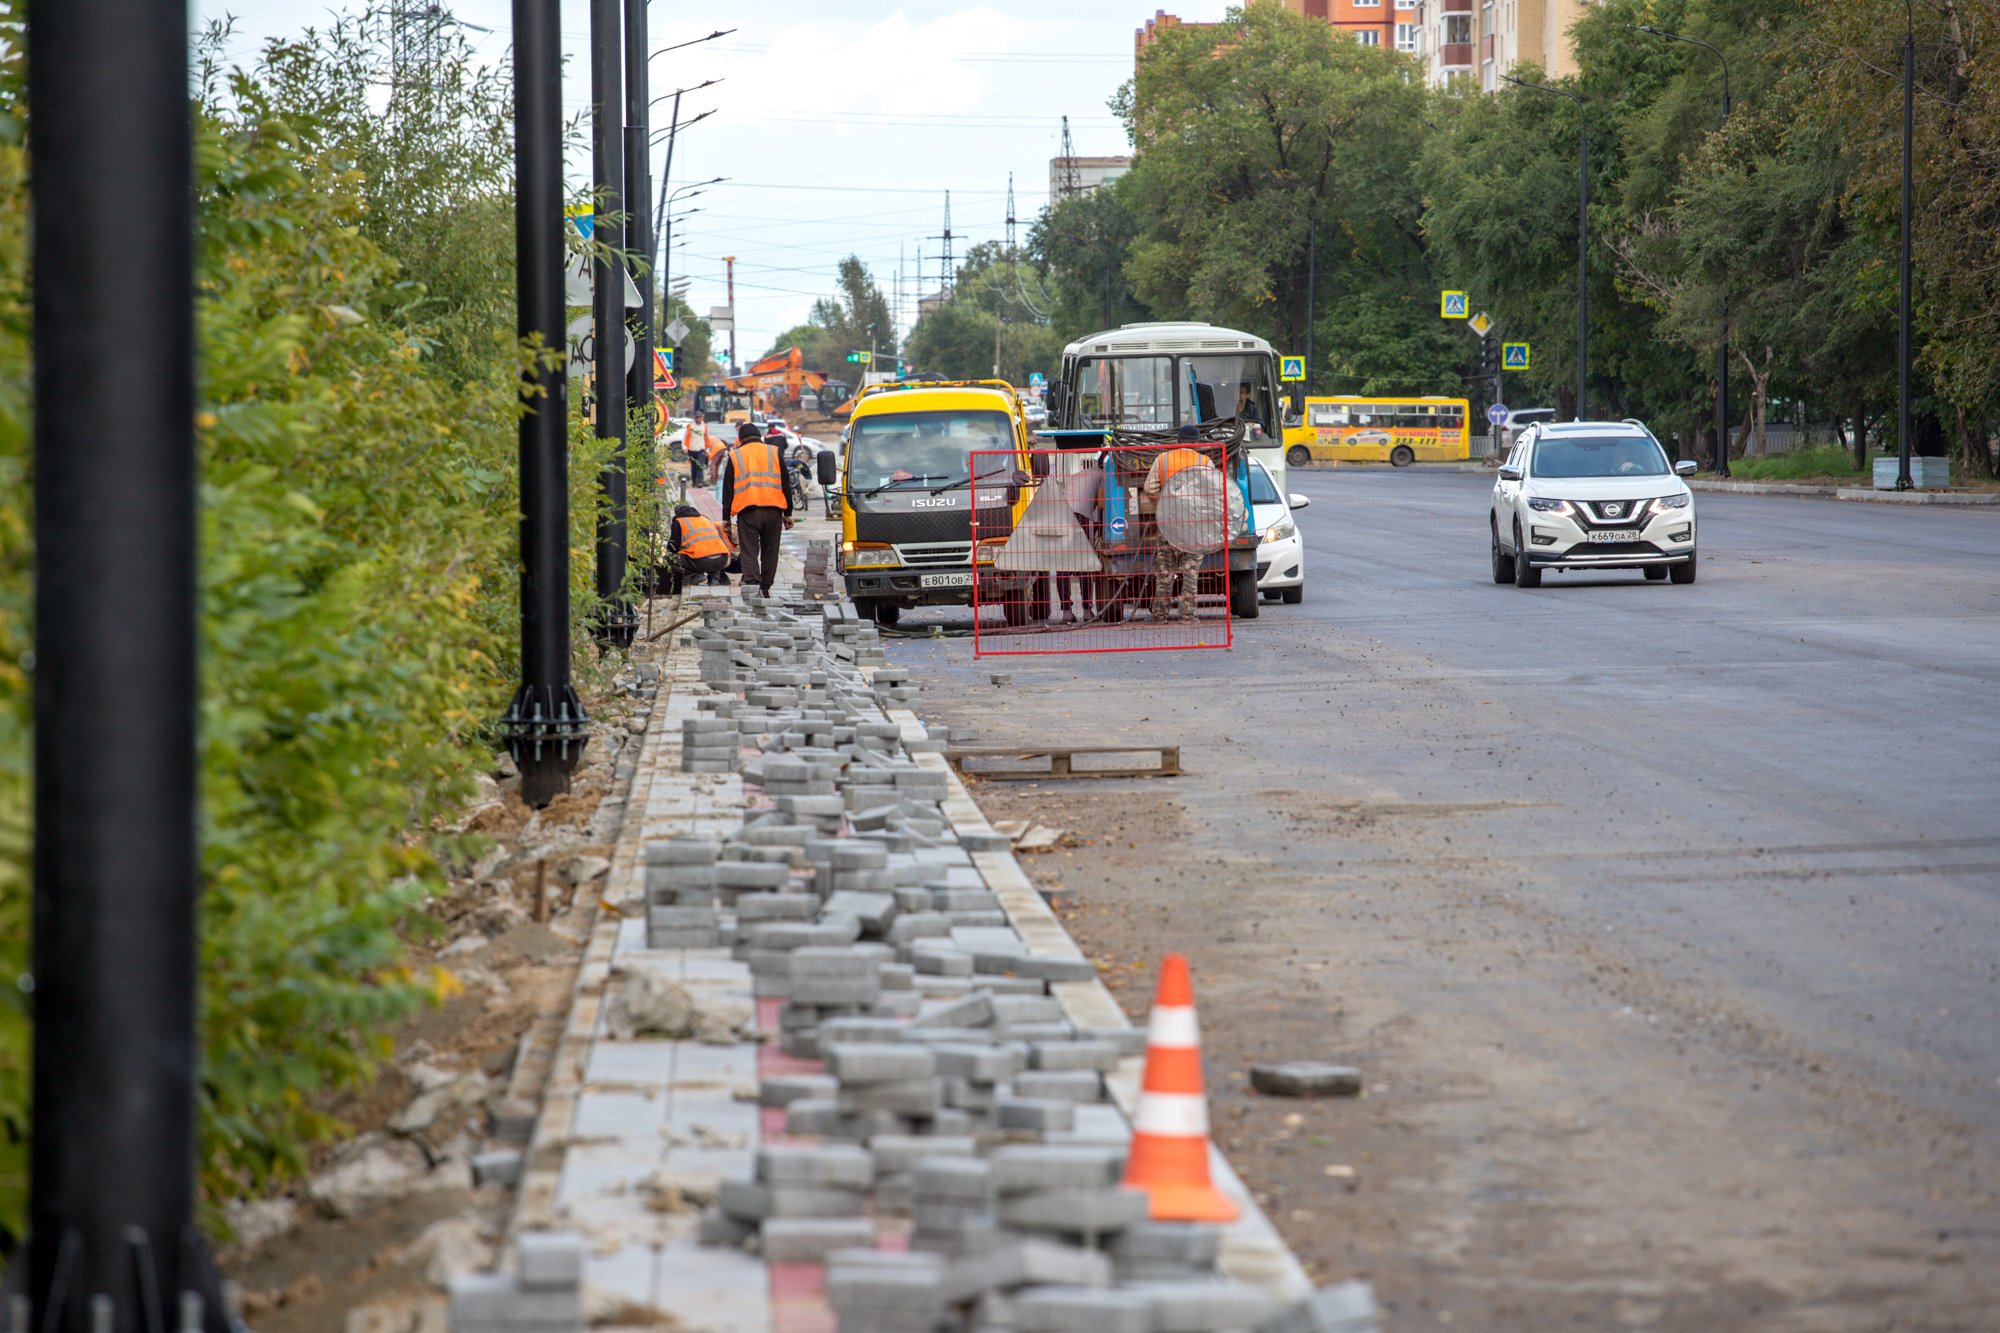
x: 995, y: 323
x: 358, y: 406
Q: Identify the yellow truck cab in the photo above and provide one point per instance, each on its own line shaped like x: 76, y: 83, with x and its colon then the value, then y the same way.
x: 907, y: 494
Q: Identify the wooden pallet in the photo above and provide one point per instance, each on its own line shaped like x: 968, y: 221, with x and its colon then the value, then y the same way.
x: 1060, y: 761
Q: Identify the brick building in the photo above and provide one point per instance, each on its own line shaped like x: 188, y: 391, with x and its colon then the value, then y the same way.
x: 1483, y: 39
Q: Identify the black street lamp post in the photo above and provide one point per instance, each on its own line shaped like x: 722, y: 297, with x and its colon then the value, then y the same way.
x: 1582, y: 241
x: 638, y: 232
x: 1722, y: 348
x: 616, y: 622
x: 544, y: 728
x: 1903, y: 481
x: 111, y: 1242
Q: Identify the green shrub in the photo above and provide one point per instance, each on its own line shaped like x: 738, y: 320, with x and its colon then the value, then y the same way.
x: 358, y: 577
x: 1820, y: 460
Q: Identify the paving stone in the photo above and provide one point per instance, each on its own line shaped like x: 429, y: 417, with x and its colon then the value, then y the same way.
x: 496, y: 1301
x: 1076, y: 1085
x: 1053, y: 1309
x: 975, y: 1010
x: 979, y: 1063
x: 895, y: 1153
x: 784, y: 1089
x: 752, y: 908
x: 879, y: 1062
x: 942, y: 962
x: 836, y: 1165
x: 1348, y: 1307
x: 1021, y: 1262
x: 808, y: 1240
x: 1074, y: 1211
x: 751, y: 875
x: 550, y: 1259
x: 1043, y: 1115
x: 1305, y: 1078
x: 754, y: 1202
x: 1100, y: 1056
x: 1205, y: 1305
x: 720, y: 1229
x: 1193, y: 1243
x: 913, y: 1097
x: 1027, y: 1168
x: 915, y: 1285
x: 961, y: 1178
x: 831, y: 961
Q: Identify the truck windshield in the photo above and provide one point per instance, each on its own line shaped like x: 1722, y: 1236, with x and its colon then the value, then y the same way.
x: 931, y: 445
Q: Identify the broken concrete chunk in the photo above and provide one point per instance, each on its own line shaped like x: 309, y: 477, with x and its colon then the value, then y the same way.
x: 1305, y: 1078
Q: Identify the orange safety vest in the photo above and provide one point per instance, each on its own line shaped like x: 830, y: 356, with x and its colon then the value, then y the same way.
x: 1179, y: 460
x: 699, y: 537
x: 759, y: 478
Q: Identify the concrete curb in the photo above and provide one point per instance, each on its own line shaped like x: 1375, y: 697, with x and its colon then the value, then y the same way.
x: 1858, y: 494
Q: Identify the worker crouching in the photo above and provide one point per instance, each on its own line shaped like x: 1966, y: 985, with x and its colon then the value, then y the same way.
x: 695, y: 551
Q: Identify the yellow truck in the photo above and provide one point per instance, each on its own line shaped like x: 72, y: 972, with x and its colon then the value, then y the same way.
x: 908, y: 496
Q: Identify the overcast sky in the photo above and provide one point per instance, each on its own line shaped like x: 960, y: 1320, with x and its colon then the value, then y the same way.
x: 840, y: 126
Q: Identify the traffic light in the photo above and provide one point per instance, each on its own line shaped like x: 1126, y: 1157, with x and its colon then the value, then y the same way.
x: 860, y: 358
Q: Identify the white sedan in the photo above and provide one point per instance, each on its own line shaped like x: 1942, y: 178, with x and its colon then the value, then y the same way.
x: 1281, y: 550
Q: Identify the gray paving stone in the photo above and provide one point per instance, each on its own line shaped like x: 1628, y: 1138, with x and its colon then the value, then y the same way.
x: 1099, y: 1056
x: 979, y: 1063
x: 835, y: 1165
x: 913, y: 1097
x: 1305, y: 1078
x: 1024, y: 1261
x: 808, y: 1240
x: 975, y: 1010
x: 784, y: 1089
x: 1205, y: 1305
x: 960, y: 1178
x: 754, y: 1202
x: 1077, y: 1211
x: 1028, y: 1168
x: 1055, y: 1309
x: 549, y: 1259
x: 895, y: 1153
x: 915, y: 1285
x: 1348, y: 1307
x: 1076, y: 1085
x: 1194, y: 1243
x: 879, y: 1062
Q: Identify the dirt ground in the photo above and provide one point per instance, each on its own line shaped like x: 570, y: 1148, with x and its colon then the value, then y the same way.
x: 312, y: 1260
x: 1497, y: 1174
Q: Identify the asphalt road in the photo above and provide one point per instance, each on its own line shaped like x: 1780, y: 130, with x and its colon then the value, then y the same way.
x: 1667, y: 918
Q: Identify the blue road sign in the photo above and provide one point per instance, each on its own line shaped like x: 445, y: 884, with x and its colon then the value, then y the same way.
x: 1291, y: 368
x: 1498, y: 414
x: 1513, y: 356
x: 1454, y: 305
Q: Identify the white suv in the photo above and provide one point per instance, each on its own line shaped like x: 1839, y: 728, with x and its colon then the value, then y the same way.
x: 1591, y: 495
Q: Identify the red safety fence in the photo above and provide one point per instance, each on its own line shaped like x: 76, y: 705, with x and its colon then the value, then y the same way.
x: 1122, y: 549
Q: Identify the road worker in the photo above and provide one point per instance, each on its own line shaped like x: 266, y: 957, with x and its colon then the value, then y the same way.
x: 695, y: 550
x: 1169, y: 561
x: 757, y: 496
x: 695, y: 445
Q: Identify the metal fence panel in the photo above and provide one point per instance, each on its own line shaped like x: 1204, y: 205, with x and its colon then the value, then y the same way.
x: 1098, y: 564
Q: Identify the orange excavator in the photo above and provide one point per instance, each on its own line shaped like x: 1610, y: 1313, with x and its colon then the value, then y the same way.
x: 779, y: 379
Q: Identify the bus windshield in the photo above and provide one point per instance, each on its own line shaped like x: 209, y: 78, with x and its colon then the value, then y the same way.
x: 929, y: 446
x: 1163, y: 392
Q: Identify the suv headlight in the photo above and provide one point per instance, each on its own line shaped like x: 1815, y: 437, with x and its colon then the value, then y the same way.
x: 1541, y: 506
x: 1666, y: 502
x: 1282, y: 529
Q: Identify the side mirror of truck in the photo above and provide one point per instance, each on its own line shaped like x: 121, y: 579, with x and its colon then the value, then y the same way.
x: 827, y: 464
x: 1038, y: 464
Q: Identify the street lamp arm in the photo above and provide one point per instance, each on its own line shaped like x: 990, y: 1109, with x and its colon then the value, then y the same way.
x: 678, y: 91
x: 720, y: 32
x: 668, y: 132
x: 1544, y: 88
x: 1692, y: 41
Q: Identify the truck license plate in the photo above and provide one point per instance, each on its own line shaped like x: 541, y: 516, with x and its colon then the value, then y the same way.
x: 944, y: 581
x: 1603, y: 535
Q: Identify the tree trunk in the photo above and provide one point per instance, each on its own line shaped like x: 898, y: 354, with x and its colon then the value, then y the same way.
x: 1565, y: 402
x: 1860, y: 436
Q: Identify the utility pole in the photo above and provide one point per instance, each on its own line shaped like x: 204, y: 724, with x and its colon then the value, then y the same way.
x: 616, y: 621
x: 1312, y: 302
x: 729, y: 262
x: 111, y: 1240
x: 946, y: 271
x: 545, y: 729
x: 1068, y: 181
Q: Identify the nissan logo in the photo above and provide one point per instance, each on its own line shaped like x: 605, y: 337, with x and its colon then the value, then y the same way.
x: 1614, y: 510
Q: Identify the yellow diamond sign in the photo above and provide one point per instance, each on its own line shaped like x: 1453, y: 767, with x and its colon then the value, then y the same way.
x: 1480, y: 323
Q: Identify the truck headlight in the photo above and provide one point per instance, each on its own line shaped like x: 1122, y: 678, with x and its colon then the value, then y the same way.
x: 872, y: 557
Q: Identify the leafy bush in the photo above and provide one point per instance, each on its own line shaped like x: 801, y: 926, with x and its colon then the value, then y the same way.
x: 1820, y: 460
x: 358, y: 576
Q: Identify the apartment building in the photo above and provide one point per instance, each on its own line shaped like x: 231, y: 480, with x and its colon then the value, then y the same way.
x: 1395, y: 24
x: 1483, y: 39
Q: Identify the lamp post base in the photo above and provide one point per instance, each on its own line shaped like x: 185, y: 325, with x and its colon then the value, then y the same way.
x: 545, y: 731
x: 618, y: 626
x: 203, y: 1305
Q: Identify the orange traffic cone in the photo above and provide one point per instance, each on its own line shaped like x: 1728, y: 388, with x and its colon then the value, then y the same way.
x: 1169, y: 1158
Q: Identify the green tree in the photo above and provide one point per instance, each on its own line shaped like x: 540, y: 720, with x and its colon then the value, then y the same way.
x: 1079, y: 246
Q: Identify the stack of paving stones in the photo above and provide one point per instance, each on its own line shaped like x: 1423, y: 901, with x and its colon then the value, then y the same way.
x: 954, y: 1092
x: 819, y: 579
x: 543, y: 1295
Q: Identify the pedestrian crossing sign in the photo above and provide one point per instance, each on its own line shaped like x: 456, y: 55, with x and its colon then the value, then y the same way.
x: 1455, y: 306
x: 1291, y: 369
x: 1513, y: 356
x: 663, y: 361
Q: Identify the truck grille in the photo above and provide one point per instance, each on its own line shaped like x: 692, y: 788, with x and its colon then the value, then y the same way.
x: 919, y: 555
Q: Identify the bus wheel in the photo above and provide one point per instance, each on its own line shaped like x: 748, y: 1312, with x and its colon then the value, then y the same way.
x: 1402, y: 455
x: 1298, y: 455
x: 1243, y: 594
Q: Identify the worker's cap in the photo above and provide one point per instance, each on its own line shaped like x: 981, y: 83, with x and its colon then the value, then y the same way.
x: 1188, y: 433
x: 747, y: 430
x: 685, y: 510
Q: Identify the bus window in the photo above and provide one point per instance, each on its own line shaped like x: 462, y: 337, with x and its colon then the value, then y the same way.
x: 1227, y: 386
x: 1136, y: 392
x: 1325, y: 415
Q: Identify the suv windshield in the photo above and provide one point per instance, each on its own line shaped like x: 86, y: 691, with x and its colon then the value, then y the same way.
x: 925, y: 445
x: 1598, y: 456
